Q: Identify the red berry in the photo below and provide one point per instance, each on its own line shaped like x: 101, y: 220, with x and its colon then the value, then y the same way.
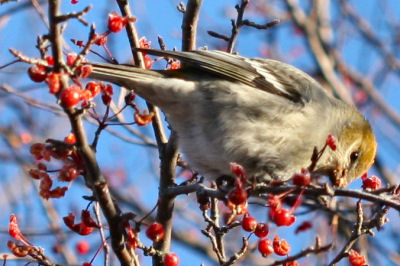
x: 86, y: 96
x: 131, y: 240
x: 331, y: 141
x: 82, y: 247
x: 86, y: 264
x: 283, y: 217
x: 143, y: 43
x: 171, y: 259
x: 239, y: 171
x: 37, y: 73
x: 68, y: 173
x: 155, y: 232
x: 356, y: 259
x: 372, y: 182
x: 37, y: 174
x: 238, y: 195
x: 265, y: 247
x: 42, y: 166
x: 303, y: 178
x: 100, y: 39
x: 106, y: 89
x: 50, y: 60
x: 116, y: 22
x: 261, y: 230
x: 54, y: 82
x: 174, y: 65
x: 281, y: 247
x: 71, y: 58
x: 71, y: 96
x: 94, y: 88
x: 249, y: 223
x: 84, y: 70
x: 70, y: 138
x: 82, y: 229
x: 148, y: 62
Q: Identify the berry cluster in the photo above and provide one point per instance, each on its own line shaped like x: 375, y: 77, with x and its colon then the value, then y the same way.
x: 64, y: 152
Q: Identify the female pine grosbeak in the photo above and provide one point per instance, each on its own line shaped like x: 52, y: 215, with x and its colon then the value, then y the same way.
x: 262, y: 114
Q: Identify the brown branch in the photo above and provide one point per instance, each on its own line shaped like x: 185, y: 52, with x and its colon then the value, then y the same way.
x: 315, y: 249
x: 167, y: 149
x: 74, y: 15
x: 391, y: 201
x: 357, y: 232
x: 93, y: 176
x: 239, y: 254
x: 169, y: 158
x: 189, y: 25
x: 27, y: 59
x: 218, y: 35
x: 259, y: 26
x: 103, y: 238
x: 196, y: 187
x: 236, y: 25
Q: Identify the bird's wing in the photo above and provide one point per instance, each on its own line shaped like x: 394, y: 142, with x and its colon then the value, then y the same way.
x: 268, y: 75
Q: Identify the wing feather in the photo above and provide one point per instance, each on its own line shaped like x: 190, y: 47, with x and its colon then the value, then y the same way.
x: 268, y: 75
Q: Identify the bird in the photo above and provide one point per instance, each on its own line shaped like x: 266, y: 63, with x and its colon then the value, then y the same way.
x: 263, y: 114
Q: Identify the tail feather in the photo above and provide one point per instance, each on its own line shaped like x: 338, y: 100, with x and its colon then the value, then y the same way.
x: 158, y: 87
x: 121, y: 74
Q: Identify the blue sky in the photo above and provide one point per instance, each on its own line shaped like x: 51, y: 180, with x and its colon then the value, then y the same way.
x: 160, y: 17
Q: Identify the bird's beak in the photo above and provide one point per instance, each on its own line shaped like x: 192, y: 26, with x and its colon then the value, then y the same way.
x: 338, y: 177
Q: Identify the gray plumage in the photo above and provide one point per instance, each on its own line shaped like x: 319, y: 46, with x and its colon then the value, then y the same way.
x: 263, y: 114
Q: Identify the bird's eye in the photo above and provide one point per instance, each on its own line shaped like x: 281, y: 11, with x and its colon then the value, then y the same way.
x: 354, y: 156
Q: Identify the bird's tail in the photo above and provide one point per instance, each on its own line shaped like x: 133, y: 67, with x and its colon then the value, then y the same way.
x: 158, y: 87
x: 122, y: 74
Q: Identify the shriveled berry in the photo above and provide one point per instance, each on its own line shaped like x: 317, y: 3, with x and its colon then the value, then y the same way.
x: 54, y: 82
x: 281, y: 246
x: 144, y: 118
x: 356, y: 259
x: 68, y: 173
